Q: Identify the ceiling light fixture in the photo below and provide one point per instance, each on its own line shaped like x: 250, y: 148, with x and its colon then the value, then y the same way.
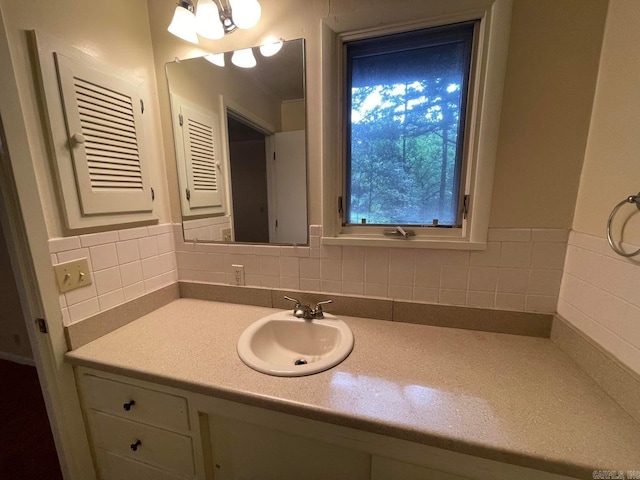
x: 271, y: 47
x: 213, y: 19
x: 216, y: 59
x: 243, y: 58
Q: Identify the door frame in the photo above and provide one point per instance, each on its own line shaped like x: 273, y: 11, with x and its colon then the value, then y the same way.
x: 31, y: 263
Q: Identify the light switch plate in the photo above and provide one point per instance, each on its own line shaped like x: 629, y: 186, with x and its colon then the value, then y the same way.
x: 72, y: 275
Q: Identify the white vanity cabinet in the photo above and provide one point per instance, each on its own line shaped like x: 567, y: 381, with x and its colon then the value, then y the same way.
x: 144, y: 431
x: 137, y: 432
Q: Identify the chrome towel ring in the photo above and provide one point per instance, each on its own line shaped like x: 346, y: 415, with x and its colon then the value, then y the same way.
x: 632, y: 199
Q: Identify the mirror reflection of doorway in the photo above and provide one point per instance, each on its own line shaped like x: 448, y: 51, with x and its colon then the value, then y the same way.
x: 247, y: 158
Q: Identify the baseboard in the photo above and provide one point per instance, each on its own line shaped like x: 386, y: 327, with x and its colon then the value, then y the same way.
x: 17, y: 359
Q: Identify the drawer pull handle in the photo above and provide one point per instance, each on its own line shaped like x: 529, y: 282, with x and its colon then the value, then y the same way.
x: 127, y: 406
x: 134, y: 446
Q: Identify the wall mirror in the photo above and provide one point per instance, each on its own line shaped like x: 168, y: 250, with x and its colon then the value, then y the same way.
x: 240, y: 140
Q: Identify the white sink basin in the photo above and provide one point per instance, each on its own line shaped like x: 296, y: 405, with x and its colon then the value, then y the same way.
x: 286, y: 346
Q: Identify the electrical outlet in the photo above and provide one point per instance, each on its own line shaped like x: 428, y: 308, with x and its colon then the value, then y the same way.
x: 226, y: 234
x: 238, y: 274
x: 72, y: 275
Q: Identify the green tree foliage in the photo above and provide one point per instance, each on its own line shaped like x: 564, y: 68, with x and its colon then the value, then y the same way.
x: 404, y: 142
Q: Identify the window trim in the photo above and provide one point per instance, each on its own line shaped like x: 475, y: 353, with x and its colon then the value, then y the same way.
x: 423, y: 38
x: 481, y: 128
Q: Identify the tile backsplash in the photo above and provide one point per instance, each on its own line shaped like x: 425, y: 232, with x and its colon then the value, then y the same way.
x: 600, y: 295
x: 521, y: 269
x: 124, y: 264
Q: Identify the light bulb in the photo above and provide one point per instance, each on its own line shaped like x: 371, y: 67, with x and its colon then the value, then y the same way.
x: 208, y: 23
x: 243, y: 58
x: 183, y: 25
x: 245, y: 13
x: 216, y: 59
x: 271, y: 48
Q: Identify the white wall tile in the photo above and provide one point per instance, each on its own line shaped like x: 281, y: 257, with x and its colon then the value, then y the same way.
x: 548, y: 255
x: 516, y: 254
x: 81, y: 294
x: 330, y: 269
x: 509, y: 235
x: 269, y: 281
x: 540, y: 303
x: 310, y: 268
x: 544, y: 282
x: 510, y: 301
x: 92, y: 239
x: 290, y: 283
x: 401, y: 266
x: 376, y: 290
x: 166, y: 243
x: 62, y: 244
x: 599, y: 295
x: 309, y: 285
x: 103, y: 256
x: 481, y: 299
x: 111, y: 299
x: 131, y: 233
x: 454, y: 277
x: 330, y: 286
x: 401, y: 292
x: 107, y: 280
x: 131, y: 273
x: 75, y: 254
x: 490, y: 257
x: 290, y: 267
x: 555, y: 235
x: 353, y: 288
x: 160, y: 229
x: 148, y: 247
x: 133, y: 291
x: 353, y: 271
x: 424, y: 294
x: 483, y: 279
x: 128, y: 251
x: 376, y: 266
x: 270, y: 266
x: 513, y: 280
x: 82, y: 310
x: 453, y: 297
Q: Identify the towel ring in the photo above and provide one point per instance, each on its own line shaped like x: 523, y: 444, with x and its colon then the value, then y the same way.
x: 632, y: 199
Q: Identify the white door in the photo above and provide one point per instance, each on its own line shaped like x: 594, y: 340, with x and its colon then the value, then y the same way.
x: 291, y: 187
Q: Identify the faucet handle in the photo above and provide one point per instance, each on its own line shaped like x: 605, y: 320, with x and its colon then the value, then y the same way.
x: 295, y: 300
x: 317, y: 312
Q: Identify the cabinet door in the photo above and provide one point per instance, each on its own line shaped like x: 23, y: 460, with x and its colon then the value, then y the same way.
x: 244, y: 451
x: 386, y: 468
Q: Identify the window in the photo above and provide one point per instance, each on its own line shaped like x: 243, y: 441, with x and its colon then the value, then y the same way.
x: 377, y: 49
x: 406, y: 97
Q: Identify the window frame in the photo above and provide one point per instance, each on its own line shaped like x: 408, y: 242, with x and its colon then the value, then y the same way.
x: 437, y: 34
x: 481, y: 128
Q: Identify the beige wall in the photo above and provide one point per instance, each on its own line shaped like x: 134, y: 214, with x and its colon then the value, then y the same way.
x: 612, y: 161
x: 551, y: 74
x: 13, y: 332
x: 116, y: 32
x: 552, y: 67
x: 293, y: 115
x: 550, y: 81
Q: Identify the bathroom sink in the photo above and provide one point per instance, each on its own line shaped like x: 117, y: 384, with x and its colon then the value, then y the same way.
x: 286, y: 346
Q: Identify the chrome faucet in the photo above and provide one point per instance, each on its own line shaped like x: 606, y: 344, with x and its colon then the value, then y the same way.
x: 305, y: 311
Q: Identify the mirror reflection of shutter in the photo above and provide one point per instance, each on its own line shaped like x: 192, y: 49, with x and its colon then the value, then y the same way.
x: 104, y: 126
x: 201, y: 153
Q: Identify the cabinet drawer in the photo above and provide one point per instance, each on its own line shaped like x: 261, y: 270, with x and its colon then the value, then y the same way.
x: 167, y: 450
x: 149, y: 406
x: 115, y: 467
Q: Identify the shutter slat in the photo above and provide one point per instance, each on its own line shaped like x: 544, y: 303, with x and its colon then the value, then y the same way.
x: 104, y: 115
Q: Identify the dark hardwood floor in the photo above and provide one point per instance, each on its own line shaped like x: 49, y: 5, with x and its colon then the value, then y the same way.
x: 27, y: 451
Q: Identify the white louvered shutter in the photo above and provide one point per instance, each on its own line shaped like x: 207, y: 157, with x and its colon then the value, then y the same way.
x: 200, y: 133
x: 104, y: 125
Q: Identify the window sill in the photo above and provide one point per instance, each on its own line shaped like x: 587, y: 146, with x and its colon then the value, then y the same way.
x: 411, y: 242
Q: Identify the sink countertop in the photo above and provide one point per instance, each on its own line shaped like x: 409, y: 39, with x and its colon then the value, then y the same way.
x: 507, y: 398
